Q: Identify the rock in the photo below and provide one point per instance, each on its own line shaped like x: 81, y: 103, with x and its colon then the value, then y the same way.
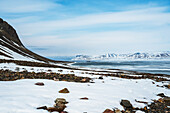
x: 43, y: 107
x: 60, y: 70
x: 108, y: 111
x: 84, y: 98
x: 39, y: 83
x: 167, y: 86
x: 83, y: 80
x: 126, y: 104
x: 60, y: 107
x: 92, y: 82
x: 100, y: 77
x: 64, y: 112
x: 117, y: 111
x: 65, y: 90
x: 167, y: 100
x: 60, y: 104
x: 55, y: 79
x: 1, y: 21
x: 61, y: 100
x: 52, y: 109
x: 141, y: 102
x: 127, y: 111
x: 161, y: 95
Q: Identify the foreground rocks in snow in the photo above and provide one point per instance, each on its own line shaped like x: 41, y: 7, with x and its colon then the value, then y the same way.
x: 167, y: 86
x: 43, y: 107
x: 65, y: 90
x: 126, y: 104
x: 39, y: 83
x: 59, y: 106
x: 108, y: 111
x: 61, y: 101
x: 84, y: 98
x: 157, y: 106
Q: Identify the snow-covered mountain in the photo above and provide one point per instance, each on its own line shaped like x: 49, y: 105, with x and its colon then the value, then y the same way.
x: 11, y: 48
x: 158, y: 55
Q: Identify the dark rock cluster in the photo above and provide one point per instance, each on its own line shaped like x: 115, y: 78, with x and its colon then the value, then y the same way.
x: 7, y: 75
x: 157, y: 106
x: 157, y: 78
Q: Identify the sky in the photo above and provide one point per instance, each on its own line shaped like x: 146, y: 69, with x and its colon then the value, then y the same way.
x: 91, y: 27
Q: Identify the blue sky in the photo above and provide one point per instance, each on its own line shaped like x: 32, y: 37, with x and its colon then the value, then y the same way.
x: 70, y: 27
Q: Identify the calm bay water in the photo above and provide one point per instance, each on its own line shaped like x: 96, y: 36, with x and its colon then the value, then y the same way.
x: 148, y: 66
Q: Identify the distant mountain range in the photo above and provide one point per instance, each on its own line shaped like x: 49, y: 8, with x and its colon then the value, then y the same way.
x: 158, y: 55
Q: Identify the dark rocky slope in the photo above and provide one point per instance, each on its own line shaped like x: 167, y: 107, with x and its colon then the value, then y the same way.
x: 10, y: 40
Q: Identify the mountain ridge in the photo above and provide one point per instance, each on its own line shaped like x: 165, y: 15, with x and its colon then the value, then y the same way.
x: 11, y: 48
x: 138, y: 55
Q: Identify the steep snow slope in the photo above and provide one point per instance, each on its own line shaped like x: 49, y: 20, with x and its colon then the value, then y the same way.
x: 12, y: 48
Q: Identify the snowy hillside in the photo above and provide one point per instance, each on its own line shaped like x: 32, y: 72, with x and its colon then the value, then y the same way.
x: 158, y: 55
x: 11, y: 48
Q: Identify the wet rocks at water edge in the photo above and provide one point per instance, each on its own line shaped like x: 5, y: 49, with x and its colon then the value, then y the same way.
x: 65, y: 90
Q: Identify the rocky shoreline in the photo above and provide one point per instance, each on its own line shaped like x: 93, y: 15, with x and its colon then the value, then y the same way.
x: 7, y: 75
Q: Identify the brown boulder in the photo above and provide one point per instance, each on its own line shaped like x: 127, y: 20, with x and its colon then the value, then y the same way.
x: 84, y: 98
x: 39, y: 83
x: 61, y: 101
x: 108, y: 111
x: 126, y: 104
x: 60, y: 104
x: 53, y: 109
x: 65, y: 90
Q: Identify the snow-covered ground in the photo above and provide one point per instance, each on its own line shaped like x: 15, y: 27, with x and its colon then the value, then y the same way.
x: 22, y: 96
x: 14, y: 67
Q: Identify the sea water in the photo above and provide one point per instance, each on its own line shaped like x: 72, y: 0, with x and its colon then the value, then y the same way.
x: 156, y: 66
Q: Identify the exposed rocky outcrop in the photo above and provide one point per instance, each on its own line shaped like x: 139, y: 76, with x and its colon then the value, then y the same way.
x: 9, y: 40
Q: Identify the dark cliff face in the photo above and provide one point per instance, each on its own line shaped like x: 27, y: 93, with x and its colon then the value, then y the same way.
x: 8, y: 31
x: 10, y: 40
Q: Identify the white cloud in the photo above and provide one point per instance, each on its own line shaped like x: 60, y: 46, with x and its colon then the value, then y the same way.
x: 102, y: 42
x: 144, y: 17
x: 154, y: 23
